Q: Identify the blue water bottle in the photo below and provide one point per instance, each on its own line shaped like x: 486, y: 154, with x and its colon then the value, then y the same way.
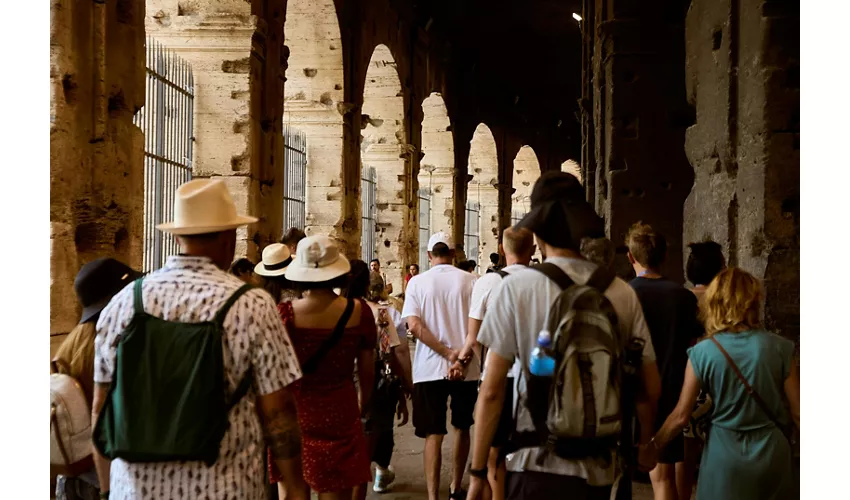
x: 541, y: 363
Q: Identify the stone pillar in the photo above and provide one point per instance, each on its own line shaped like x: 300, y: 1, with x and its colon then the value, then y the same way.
x: 640, y: 115
x: 391, y: 208
x: 743, y: 76
x: 97, y: 83
x: 237, y: 56
x: 487, y: 195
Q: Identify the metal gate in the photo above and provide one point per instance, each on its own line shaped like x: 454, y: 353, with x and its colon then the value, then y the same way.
x: 471, y: 236
x: 368, y: 212
x: 424, y: 227
x: 166, y: 120
x: 295, y: 178
x: 516, y: 216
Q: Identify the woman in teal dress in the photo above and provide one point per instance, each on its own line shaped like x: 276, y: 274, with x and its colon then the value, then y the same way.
x: 746, y: 456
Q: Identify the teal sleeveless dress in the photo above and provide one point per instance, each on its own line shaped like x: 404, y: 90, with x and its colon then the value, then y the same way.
x: 746, y: 456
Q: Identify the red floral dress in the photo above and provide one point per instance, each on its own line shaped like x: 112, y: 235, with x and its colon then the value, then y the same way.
x: 334, y: 451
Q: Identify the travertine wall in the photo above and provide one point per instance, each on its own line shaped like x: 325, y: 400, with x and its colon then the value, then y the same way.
x: 571, y: 167
x: 484, y: 167
x: 236, y: 52
x: 383, y: 142
x: 743, y: 76
x: 96, y: 153
x: 526, y: 172
x: 436, y: 169
x: 313, y: 95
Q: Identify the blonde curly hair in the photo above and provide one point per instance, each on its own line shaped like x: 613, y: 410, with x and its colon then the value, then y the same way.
x: 732, y: 303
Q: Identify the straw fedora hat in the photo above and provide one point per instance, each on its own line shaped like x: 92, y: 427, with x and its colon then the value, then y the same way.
x: 203, y: 206
x: 276, y: 259
x: 317, y: 259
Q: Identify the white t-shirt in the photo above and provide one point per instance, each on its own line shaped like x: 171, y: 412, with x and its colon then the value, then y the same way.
x: 482, y: 292
x: 440, y: 298
x: 512, y: 334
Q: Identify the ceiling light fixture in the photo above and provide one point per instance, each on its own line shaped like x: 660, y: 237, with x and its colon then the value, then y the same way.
x: 576, y: 17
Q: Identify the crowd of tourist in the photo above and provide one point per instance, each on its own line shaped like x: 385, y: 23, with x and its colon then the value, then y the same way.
x: 220, y: 379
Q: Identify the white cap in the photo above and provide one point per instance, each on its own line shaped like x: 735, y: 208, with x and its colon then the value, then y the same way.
x: 441, y: 237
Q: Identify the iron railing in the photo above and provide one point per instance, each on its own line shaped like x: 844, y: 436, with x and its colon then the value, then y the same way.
x: 295, y: 178
x: 424, y: 227
x: 516, y: 216
x: 471, y: 231
x: 166, y: 120
x: 368, y: 212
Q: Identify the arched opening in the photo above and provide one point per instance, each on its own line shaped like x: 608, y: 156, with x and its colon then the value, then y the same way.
x: 483, y: 190
x: 572, y: 167
x: 436, y: 173
x: 314, y: 86
x: 382, y: 138
x: 526, y: 172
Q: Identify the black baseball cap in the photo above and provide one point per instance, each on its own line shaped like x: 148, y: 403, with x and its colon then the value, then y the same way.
x: 560, y: 214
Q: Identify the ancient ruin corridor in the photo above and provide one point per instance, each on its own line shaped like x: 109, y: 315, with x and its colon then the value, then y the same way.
x: 383, y: 122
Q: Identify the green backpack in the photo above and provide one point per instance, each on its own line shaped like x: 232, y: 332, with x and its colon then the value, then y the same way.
x: 167, y: 399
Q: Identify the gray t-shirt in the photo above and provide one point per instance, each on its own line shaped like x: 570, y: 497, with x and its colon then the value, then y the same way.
x: 515, y: 316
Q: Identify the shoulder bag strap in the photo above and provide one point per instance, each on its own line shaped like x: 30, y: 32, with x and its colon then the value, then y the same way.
x: 601, y: 279
x: 555, y: 274
x: 752, y: 392
x: 312, y: 363
x: 137, y: 297
x: 222, y: 313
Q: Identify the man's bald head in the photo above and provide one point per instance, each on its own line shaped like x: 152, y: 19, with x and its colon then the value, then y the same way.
x: 518, y: 244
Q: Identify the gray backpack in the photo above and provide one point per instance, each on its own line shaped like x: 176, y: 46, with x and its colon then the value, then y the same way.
x: 576, y: 412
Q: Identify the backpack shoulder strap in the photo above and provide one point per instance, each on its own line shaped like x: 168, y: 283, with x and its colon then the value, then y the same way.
x: 137, y: 297
x: 312, y: 363
x: 601, y: 279
x: 222, y: 313
x: 241, y: 389
x: 555, y: 274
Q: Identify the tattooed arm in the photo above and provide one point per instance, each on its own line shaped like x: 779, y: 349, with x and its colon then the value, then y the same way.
x: 283, y: 436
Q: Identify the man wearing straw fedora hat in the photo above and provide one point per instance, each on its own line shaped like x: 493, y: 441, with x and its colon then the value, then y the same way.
x: 258, y: 362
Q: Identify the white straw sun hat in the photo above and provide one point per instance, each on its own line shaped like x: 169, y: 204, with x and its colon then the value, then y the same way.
x: 204, y: 206
x: 317, y: 259
x: 276, y: 259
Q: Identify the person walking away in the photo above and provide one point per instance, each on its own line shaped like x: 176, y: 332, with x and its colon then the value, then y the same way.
x: 519, y: 246
x: 291, y: 238
x: 95, y: 285
x: 494, y: 263
x: 670, y: 311
x: 392, y: 382
x: 600, y: 251
x: 329, y: 333
x: 436, y: 309
x: 244, y: 270
x: 517, y: 313
x: 704, y: 263
x: 272, y: 269
x: 750, y: 374
x: 254, y: 358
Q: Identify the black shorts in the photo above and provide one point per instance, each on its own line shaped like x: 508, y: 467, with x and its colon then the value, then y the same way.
x: 430, y: 401
x: 506, y: 419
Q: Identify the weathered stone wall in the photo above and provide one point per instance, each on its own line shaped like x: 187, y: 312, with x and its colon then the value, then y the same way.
x: 571, y: 167
x: 637, y: 111
x: 526, y: 172
x: 436, y: 169
x: 97, y: 82
x: 743, y: 76
x: 236, y: 52
x: 313, y: 96
x: 484, y: 188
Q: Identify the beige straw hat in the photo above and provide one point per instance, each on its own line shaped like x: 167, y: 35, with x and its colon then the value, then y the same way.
x: 317, y: 259
x: 203, y: 206
x: 276, y: 259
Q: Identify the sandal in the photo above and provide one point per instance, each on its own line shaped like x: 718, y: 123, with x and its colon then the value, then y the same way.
x: 458, y: 495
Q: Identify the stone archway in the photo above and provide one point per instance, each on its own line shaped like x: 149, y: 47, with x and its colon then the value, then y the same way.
x: 314, y: 87
x: 436, y: 168
x: 483, y: 189
x: 572, y: 167
x: 526, y: 172
x: 382, y: 142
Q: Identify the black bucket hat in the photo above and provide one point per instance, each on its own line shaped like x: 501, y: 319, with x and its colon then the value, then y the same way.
x: 98, y: 281
x: 560, y: 214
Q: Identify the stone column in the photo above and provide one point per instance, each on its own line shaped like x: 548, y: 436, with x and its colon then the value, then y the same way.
x: 640, y: 116
x: 743, y: 76
x: 391, y: 208
x: 237, y: 57
x: 97, y: 83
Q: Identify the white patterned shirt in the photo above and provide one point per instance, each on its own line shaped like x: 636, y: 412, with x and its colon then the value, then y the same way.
x: 192, y: 290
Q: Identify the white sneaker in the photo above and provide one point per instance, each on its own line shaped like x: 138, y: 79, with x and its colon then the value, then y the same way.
x: 383, y: 480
